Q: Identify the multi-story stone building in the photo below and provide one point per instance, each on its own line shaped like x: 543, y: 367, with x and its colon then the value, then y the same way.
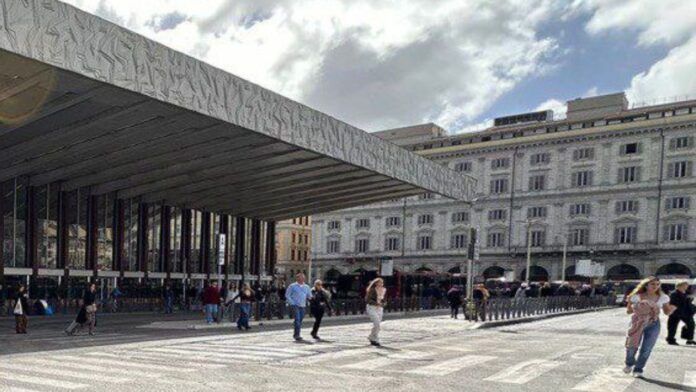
x: 293, y: 239
x: 614, y: 184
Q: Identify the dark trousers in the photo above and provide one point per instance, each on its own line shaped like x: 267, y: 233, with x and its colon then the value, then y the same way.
x: 21, y: 324
x: 673, y: 323
x: 454, y: 310
x: 318, y: 313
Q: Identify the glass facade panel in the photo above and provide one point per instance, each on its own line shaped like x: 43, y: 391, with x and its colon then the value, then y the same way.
x: 154, y: 228
x: 105, y: 232
x: 175, y: 240
x: 196, y: 217
x: 130, y: 234
x: 76, y: 219
x: 46, y: 204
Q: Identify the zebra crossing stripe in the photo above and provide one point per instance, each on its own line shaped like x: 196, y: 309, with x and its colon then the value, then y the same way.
x: 377, y: 363
x: 62, y: 372
x: 231, y: 350
x: 278, y: 352
x: 40, y: 381
x: 81, y: 366
x: 207, y: 354
x: 452, y: 365
x: 524, y: 372
x: 18, y: 389
x: 126, y: 364
x: 690, y: 378
x: 153, y: 357
x: 605, y: 379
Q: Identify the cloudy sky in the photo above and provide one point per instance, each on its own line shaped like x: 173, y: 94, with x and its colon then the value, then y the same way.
x: 459, y: 63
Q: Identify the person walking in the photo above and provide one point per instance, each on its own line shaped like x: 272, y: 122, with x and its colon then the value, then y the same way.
x: 21, y: 308
x: 684, y: 312
x: 481, y: 296
x: 320, y: 302
x: 522, y: 291
x: 644, y: 305
x: 89, y: 302
x: 211, y: 300
x: 168, y: 299
x: 454, y: 297
x: 546, y: 290
x: 231, y: 301
x: 246, y: 297
x: 375, y: 297
x: 115, y: 295
x: 296, y: 296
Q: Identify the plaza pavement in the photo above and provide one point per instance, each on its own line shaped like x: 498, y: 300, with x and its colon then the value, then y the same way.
x: 571, y: 353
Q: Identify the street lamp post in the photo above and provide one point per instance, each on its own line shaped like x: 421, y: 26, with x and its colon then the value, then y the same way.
x: 565, y: 251
x: 529, y: 251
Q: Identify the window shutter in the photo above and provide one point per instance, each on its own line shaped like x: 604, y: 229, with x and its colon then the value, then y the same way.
x: 576, y: 155
x: 639, y: 148
x: 616, y: 235
x: 590, y: 176
x: 665, y: 233
x: 634, y: 234
x: 531, y: 183
x: 687, y: 201
x: 590, y: 154
x: 574, y: 179
x: 670, y: 170
x: 620, y: 177
x: 636, y: 203
x: 570, y: 210
x: 492, y: 186
x: 686, y: 231
x: 622, y: 150
x: 690, y: 142
x: 689, y: 169
x: 668, y: 203
x: 672, y: 144
x: 638, y: 173
x: 617, y: 207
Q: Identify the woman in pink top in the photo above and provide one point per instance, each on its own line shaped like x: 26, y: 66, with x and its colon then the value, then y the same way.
x: 644, y: 305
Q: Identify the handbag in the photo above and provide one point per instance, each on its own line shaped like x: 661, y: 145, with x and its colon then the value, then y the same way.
x: 18, y: 311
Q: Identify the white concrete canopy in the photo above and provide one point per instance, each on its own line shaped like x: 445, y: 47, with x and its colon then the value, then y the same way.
x: 86, y: 103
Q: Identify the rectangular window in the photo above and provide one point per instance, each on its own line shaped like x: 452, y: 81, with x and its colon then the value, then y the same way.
x: 625, y: 235
x: 362, y: 245
x: 583, y: 154
x: 536, y: 183
x: 676, y: 232
x: 425, y: 219
x: 460, y: 217
x: 334, y: 225
x: 538, y: 237
x: 495, y: 215
x: 579, y: 236
x: 462, y: 166
x: 426, y: 196
x: 425, y: 242
x: 540, y: 159
x: 393, y: 221
x: 679, y: 143
x: 333, y: 246
x: 629, y: 174
x: 630, y: 148
x: 581, y: 179
x: 363, y: 223
x: 499, y: 186
x: 500, y: 163
x: 581, y: 209
x: 679, y: 169
x: 678, y: 203
x: 495, y: 239
x: 392, y: 243
x: 458, y: 241
x: 626, y: 206
x: 536, y: 212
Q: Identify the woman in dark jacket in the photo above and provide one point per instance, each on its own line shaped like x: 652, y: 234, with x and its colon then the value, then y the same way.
x: 21, y: 309
x: 87, y: 313
x: 685, y: 313
x: 318, y: 304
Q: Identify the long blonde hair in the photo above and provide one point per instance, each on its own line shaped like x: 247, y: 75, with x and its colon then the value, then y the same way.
x: 643, y: 286
x: 372, y: 284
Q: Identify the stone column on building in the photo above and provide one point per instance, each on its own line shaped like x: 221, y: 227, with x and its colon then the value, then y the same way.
x: 560, y: 169
x: 442, y: 242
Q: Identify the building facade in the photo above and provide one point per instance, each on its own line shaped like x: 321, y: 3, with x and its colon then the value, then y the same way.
x: 613, y: 184
x: 293, y: 246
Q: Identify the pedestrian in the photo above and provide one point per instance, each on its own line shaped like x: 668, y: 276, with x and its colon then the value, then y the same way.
x: 87, y: 313
x: 374, y: 297
x: 320, y: 303
x: 685, y: 313
x: 296, y: 296
x: 168, y: 299
x: 521, y: 291
x: 481, y: 296
x: 644, y: 305
x: 546, y: 290
x: 245, y: 297
x: 21, y: 308
x: 231, y: 301
x: 454, y: 297
x: 211, y: 300
x: 115, y: 295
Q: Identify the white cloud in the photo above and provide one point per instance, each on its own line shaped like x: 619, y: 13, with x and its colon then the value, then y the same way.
x: 374, y: 64
x: 559, y: 107
x: 671, y: 23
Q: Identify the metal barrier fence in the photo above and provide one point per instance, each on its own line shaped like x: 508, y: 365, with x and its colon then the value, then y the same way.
x: 490, y: 310
x: 511, y: 308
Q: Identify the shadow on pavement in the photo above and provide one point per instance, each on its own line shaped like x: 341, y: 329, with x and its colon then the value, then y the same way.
x: 669, y: 385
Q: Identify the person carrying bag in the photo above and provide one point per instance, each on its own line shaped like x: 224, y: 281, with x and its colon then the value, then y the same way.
x: 20, y: 310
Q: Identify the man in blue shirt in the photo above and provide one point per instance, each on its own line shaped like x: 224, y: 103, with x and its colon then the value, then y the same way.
x: 296, y: 296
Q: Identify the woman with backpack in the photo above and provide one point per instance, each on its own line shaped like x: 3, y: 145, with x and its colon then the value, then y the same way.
x: 644, y: 305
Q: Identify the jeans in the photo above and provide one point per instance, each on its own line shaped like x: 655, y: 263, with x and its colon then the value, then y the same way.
x: 299, y: 313
x: 244, y: 313
x: 649, y: 338
x: 169, y: 305
x: 375, y: 314
x: 210, y: 311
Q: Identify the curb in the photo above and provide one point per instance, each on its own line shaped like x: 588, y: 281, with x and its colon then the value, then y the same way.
x: 503, y: 323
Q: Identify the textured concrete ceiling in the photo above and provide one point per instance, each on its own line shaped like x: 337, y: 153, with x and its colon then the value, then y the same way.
x: 85, y: 103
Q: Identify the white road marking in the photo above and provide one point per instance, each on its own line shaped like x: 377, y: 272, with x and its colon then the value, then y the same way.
x: 18, y: 389
x: 154, y: 357
x: 41, y: 381
x: 207, y: 354
x: 377, y: 363
x: 245, y: 348
x: 268, y: 354
x: 452, y: 365
x: 605, y: 379
x: 524, y: 372
x: 61, y: 372
x: 126, y: 364
x: 82, y: 366
x: 690, y: 378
